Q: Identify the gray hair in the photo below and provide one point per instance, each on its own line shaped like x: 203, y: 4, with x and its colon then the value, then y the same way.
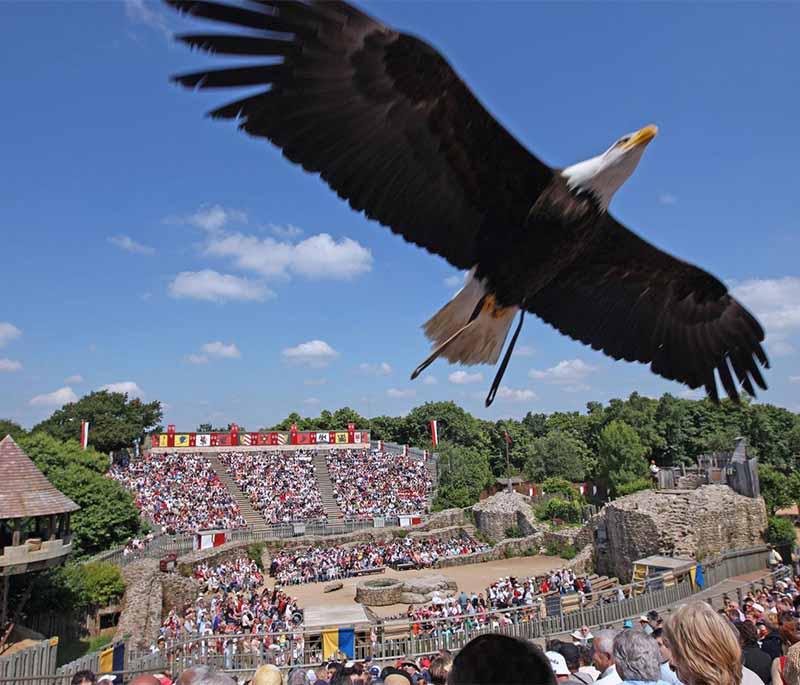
x: 203, y: 675
x: 604, y: 641
x: 636, y: 656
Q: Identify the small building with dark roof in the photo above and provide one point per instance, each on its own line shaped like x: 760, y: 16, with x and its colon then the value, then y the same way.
x: 34, y: 515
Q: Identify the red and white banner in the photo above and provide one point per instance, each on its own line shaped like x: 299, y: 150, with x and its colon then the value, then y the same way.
x: 84, y: 434
x: 202, y: 440
x: 244, y: 439
x: 434, y: 433
x: 405, y: 450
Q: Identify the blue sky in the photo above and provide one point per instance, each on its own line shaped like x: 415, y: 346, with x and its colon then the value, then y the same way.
x: 151, y: 249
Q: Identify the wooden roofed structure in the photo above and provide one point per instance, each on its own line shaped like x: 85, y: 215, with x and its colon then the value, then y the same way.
x: 34, y: 519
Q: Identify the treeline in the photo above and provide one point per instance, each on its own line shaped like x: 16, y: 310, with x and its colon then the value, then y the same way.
x: 612, y: 442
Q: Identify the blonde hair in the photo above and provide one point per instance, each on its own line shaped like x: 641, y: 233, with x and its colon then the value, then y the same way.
x: 791, y: 669
x: 267, y: 675
x: 704, y: 645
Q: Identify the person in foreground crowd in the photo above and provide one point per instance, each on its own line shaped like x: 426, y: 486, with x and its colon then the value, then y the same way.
x: 668, y: 674
x: 603, y: 657
x: 636, y: 658
x: 499, y: 659
x: 754, y: 658
x: 705, y: 647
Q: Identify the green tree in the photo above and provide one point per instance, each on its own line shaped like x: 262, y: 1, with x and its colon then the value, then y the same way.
x: 621, y: 455
x: 456, y: 426
x: 464, y: 473
x: 387, y: 428
x: 108, y: 515
x: 9, y: 427
x: 780, y: 531
x: 345, y: 415
x: 558, y: 454
x: 776, y: 488
x: 205, y: 428
x: 115, y: 420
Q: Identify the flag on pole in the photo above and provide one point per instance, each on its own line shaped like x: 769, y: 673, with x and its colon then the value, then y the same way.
x: 84, y: 434
x: 507, y: 437
x: 434, y: 433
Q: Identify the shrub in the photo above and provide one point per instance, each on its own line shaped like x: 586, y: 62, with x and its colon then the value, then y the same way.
x: 633, y: 486
x: 513, y: 532
x: 558, y: 548
x: 570, y: 511
x: 780, y: 531
x: 561, y: 487
x: 96, y: 584
x: 254, y: 552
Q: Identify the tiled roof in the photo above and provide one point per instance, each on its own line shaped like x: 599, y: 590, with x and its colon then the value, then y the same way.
x: 24, y: 491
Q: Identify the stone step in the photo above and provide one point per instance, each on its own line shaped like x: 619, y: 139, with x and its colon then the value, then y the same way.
x: 325, y: 487
x: 253, y: 518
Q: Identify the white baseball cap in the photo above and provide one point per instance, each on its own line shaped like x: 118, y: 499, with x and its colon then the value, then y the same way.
x: 558, y: 663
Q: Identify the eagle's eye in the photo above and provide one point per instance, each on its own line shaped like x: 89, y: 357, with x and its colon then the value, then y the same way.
x: 623, y: 140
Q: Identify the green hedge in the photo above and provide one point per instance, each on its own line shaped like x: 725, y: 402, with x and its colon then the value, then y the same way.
x: 780, y: 531
x: 570, y: 511
x: 633, y: 486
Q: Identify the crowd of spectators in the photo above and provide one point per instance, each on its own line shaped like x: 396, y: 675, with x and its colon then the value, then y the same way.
x: 281, y: 485
x: 369, y: 483
x: 323, y: 563
x: 507, y: 601
x: 234, y: 600
x: 179, y: 492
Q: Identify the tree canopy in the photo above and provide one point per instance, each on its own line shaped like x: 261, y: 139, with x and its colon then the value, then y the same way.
x: 116, y: 421
x: 108, y: 515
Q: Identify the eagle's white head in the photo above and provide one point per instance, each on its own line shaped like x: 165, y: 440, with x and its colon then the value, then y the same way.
x: 603, y: 175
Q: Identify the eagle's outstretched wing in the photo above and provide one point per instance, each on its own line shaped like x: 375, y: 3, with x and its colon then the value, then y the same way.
x: 380, y: 115
x: 635, y: 302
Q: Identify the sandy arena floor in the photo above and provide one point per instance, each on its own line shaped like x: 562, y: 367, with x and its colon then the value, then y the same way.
x: 469, y: 578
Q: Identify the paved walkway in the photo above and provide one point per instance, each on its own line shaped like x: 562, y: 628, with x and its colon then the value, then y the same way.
x: 251, y: 516
x: 325, y: 485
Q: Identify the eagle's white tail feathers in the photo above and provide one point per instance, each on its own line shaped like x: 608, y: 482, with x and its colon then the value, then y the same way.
x: 482, y: 342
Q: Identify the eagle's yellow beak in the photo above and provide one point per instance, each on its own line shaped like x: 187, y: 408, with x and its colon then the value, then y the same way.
x: 642, y: 137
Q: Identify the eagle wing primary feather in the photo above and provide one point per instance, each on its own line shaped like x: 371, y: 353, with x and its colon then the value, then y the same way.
x: 380, y: 115
x: 635, y: 302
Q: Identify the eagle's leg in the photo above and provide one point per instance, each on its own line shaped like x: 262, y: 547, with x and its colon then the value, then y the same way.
x: 499, y: 375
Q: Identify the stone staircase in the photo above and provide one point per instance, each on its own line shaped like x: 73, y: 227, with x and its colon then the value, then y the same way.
x: 253, y: 518
x: 325, y: 486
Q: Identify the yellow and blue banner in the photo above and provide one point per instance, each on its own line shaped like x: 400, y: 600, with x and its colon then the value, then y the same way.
x: 341, y: 437
x: 338, y: 640
x: 112, y: 659
x: 163, y: 440
x: 182, y: 440
x: 696, y: 575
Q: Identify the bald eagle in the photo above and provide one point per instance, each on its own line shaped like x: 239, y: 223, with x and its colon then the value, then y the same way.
x: 388, y: 124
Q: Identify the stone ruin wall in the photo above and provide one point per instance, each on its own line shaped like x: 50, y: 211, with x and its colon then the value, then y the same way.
x: 698, y: 524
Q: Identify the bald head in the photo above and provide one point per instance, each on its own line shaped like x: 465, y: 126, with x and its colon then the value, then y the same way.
x: 145, y: 679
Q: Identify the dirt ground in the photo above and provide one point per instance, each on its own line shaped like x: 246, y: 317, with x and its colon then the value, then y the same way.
x: 469, y: 578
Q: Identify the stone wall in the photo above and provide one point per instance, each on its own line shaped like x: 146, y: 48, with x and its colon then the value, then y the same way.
x: 697, y: 524
x: 142, y: 602
x: 496, y: 514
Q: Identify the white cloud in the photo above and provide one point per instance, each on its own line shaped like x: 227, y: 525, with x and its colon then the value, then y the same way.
x: 211, y: 219
x: 568, y: 372
x: 515, y: 394
x: 124, y: 242
x: 400, y: 394
x: 316, y: 257
x: 9, y: 364
x: 382, y: 369
x: 524, y: 351
x: 457, y: 280
x: 57, y: 398
x: 430, y: 380
x: 214, y: 350
x: 221, y: 350
x: 77, y: 378
x: 211, y: 286
x: 8, y: 332
x: 315, y: 381
x: 287, y: 232
x: 689, y: 394
x: 314, y: 353
x: 140, y: 12
x: 667, y: 199
x: 311, y: 401
x: 778, y: 345
x: 463, y: 377
x: 125, y: 387
x: 775, y: 301
x: 794, y: 379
